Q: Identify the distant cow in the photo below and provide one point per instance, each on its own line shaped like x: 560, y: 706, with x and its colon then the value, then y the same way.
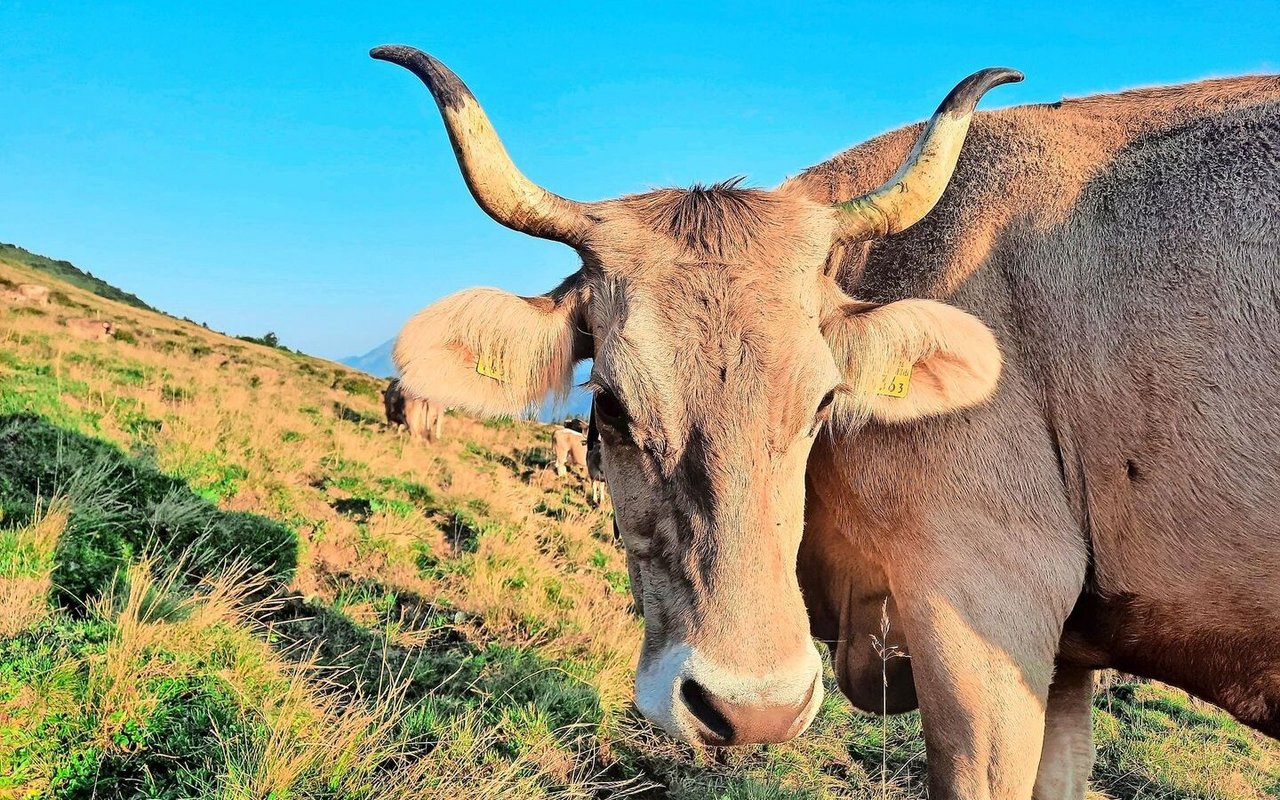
x: 423, y: 418
x: 393, y: 404
x: 571, y: 450
x: 595, y: 470
x: 97, y: 329
x: 34, y: 293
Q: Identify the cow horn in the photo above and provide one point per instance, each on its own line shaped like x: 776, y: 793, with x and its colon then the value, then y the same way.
x: 497, y: 185
x: 916, y: 187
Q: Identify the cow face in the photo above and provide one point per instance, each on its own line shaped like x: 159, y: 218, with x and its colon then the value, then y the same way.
x: 721, y: 349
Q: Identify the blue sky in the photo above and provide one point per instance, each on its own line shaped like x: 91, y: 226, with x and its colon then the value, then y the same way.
x: 251, y: 167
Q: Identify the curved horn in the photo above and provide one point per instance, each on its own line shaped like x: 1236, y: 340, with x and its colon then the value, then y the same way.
x: 497, y: 185
x: 916, y: 187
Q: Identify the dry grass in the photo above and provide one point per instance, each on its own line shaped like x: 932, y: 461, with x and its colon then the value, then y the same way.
x: 25, y: 576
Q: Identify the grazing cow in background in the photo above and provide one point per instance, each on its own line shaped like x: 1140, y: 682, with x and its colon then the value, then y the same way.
x: 35, y: 293
x: 570, y: 449
x: 423, y: 418
x: 393, y: 404
x: 1025, y: 396
x: 96, y: 329
x: 595, y: 470
x: 572, y: 444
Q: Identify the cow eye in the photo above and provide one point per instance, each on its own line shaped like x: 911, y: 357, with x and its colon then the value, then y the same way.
x: 609, y: 409
x: 824, y: 405
x: 824, y: 411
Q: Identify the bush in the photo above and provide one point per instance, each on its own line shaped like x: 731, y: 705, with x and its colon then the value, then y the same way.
x: 360, y: 387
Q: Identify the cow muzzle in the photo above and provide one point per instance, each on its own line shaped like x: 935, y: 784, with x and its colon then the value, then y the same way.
x: 696, y: 699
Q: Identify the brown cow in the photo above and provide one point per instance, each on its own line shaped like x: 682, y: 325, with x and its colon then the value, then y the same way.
x: 99, y: 329
x: 595, y: 466
x: 34, y: 293
x: 423, y: 418
x: 570, y: 448
x: 772, y: 364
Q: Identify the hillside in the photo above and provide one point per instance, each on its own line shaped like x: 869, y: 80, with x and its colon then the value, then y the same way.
x: 69, y: 273
x: 222, y: 577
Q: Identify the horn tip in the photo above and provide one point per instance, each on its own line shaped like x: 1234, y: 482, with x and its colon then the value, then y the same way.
x: 395, y: 53
x: 965, y: 96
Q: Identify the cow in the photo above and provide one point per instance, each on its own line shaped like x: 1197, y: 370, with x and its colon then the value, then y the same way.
x: 393, y: 404
x: 595, y: 469
x: 570, y: 448
x: 423, y: 418
x: 573, y: 448
x: 93, y: 329
x: 1007, y: 379
x: 34, y: 293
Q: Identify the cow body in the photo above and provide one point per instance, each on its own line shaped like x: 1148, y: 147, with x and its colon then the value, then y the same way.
x: 1121, y: 483
x: 34, y: 293
x: 1008, y: 406
x: 573, y: 447
x: 94, y: 329
x: 570, y: 449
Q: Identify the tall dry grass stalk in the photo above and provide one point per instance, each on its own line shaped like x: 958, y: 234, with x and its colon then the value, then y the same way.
x: 886, y: 652
x: 26, y: 573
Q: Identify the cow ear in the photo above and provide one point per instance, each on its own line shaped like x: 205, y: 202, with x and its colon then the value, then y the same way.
x: 912, y: 358
x: 492, y: 352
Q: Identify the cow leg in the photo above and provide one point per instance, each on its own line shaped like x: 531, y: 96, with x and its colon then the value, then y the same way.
x: 1067, y: 757
x: 982, y: 655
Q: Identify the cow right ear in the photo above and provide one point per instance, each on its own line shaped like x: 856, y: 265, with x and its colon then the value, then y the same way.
x: 912, y: 359
x: 492, y: 352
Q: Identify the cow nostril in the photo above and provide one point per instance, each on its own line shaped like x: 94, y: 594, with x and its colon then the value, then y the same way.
x: 696, y: 700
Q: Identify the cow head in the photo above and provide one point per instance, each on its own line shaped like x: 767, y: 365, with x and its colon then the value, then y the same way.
x: 722, y: 347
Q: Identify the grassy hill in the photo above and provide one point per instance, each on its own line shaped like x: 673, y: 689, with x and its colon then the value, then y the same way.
x: 69, y: 273
x: 222, y: 577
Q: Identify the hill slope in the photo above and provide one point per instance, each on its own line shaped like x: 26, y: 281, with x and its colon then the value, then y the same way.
x: 70, y: 273
x: 221, y: 576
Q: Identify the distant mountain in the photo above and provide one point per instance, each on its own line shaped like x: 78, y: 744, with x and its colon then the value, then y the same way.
x: 377, y: 362
x: 70, y: 273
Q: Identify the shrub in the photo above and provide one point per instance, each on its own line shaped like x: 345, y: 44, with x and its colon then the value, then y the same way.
x: 358, y: 386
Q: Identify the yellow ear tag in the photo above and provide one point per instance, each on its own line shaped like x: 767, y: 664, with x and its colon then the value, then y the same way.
x: 896, y: 382
x: 487, y: 368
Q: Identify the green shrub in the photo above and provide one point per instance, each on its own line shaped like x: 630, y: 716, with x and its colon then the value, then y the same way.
x: 358, y: 386
x: 175, y: 394
x: 123, y: 335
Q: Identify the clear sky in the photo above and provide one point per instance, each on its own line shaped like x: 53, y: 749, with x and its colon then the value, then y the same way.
x: 247, y: 164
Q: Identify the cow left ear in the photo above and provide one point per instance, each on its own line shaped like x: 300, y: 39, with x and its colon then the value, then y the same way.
x: 492, y: 352
x: 912, y: 358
